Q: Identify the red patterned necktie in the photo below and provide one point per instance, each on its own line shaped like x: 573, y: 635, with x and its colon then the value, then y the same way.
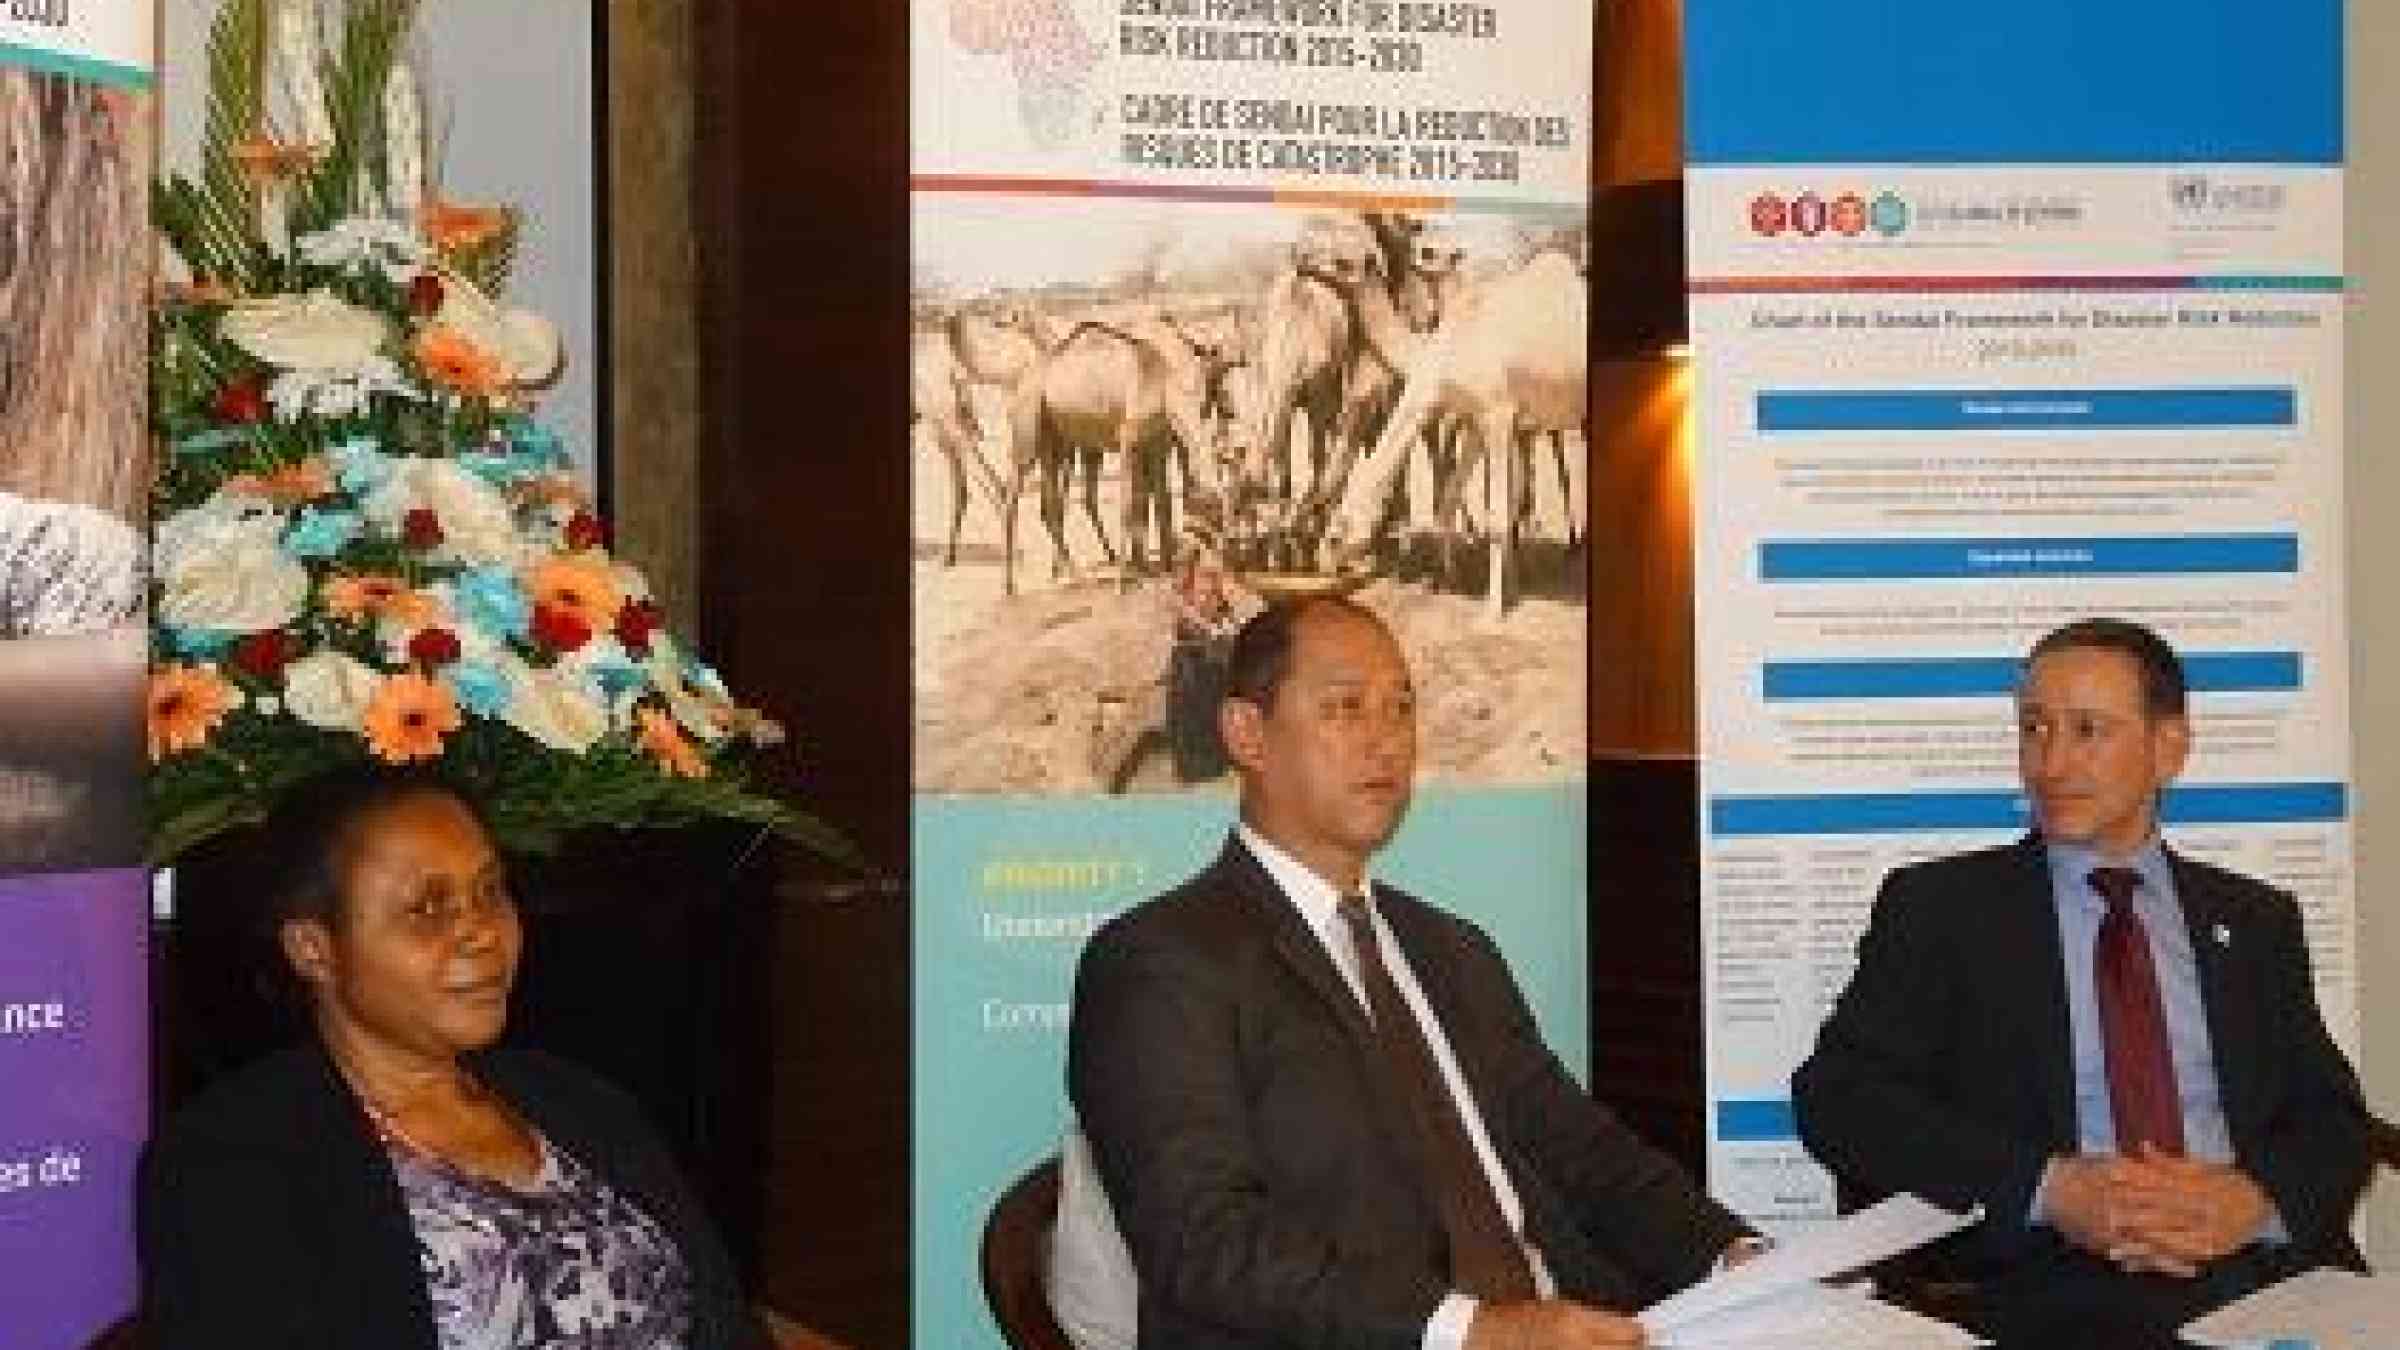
x: 1485, y: 1258
x: 2133, y: 1022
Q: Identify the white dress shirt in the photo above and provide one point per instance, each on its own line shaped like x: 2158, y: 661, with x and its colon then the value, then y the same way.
x: 1319, y: 908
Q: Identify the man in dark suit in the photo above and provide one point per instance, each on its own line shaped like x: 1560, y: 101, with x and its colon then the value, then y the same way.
x: 2112, y: 1048
x: 1320, y: 1107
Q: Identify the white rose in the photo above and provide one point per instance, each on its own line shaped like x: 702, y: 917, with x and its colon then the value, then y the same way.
x: 561, y: 712
x: 477, y: 525
x: 221, y: 566
x: 391, y: 245
x: 526, y: 343
x: 224, y: 518
x: 316, y: 331
x: 329, y: 689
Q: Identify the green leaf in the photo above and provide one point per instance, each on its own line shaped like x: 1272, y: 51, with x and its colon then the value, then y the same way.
x: 225, y: 200
x: 355, y: 73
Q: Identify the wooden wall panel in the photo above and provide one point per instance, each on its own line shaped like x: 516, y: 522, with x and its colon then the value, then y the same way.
x: 1642, y: 691
x: 652, y: 311
x: 803, y: 136
x: 1638, y: 73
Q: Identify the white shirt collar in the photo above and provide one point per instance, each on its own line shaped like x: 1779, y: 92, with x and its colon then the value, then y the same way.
x: 1319, y: 904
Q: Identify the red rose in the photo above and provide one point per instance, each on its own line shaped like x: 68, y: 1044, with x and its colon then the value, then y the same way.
x: 433, y: 647
x: 559, y: 629
x: 636, y: 621
x: 244, y: 400
x: 586, y: 531
x: 264, y: 655
x: 421, y: 528
x: 424, y: 293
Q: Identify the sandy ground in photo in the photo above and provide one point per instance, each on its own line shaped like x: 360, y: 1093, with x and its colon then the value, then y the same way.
x: 1042, y: 692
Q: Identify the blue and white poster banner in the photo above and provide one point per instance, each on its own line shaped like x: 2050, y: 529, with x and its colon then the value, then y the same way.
x: 2000, y: 318
x: 1189, y: 286
x: 103, y: 41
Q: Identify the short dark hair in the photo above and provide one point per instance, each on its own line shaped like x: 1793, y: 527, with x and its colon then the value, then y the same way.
x: 1262, y: 651
x: 316, y: 825
x: 2165, y: 692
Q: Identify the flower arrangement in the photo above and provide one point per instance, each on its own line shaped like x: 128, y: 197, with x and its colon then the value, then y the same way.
x: 365, y: 544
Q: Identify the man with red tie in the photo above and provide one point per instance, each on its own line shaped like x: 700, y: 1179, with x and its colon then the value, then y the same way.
x: 1319, y: 1106
x: 2112, y: 1048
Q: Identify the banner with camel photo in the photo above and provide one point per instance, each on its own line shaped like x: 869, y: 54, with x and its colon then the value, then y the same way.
x: 76, y: 133
x: 1215, y: 305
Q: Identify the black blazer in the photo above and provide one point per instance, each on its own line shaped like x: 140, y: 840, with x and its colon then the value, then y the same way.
x: 1947, y: 1068
x: 270, y: 1217
x: 1221, y: 1068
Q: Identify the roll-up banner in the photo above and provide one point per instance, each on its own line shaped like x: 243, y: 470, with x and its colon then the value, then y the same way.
x: 75, y: 119
x: 2001, y: 316
x: 1210, y: 298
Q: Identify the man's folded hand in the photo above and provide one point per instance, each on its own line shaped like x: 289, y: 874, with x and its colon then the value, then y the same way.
x: 2175, y: 1214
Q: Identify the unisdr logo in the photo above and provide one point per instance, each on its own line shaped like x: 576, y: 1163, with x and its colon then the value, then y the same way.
x: 1888, y: 214
x: 1768, y: 214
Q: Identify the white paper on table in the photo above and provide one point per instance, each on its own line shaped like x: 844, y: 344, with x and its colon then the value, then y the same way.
x: 1812, y: 1316
x: 1879, y: 1232
x: 2329, y: 1309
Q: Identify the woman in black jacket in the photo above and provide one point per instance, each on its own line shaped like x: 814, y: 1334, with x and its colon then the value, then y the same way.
x: 397, y: 1183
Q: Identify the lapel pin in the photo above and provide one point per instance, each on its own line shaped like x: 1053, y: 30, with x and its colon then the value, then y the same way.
x: 2223, y: 935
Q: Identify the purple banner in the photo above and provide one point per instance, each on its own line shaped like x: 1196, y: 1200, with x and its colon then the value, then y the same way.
x: 74, y: 1101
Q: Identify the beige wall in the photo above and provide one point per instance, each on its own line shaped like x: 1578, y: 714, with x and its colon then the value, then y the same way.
x: 2374, y: 494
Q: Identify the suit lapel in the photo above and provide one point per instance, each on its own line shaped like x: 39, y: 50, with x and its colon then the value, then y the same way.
x: 369, y: 1210
x: 2030, y: 928
x: 2224, y: 995
x: 1438, y: 977
x: 1293, y: 943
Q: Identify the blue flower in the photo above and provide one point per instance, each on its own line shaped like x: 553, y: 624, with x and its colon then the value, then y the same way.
x: 501, y: 470
x: 480, y: 689
x: 206, y: 644
x: 320, y: 534
x: 538, y: 444
x: 361, y: 465
x: 491, y: 599
x: 703, y: 677
x: 616, y: 676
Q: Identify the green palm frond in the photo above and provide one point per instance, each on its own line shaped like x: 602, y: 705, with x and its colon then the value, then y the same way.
x: 354, y: 74
x: 213, y: 225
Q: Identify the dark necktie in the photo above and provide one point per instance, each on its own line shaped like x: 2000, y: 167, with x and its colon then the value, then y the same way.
x: 1486, y: 1260
x: 2133, y: 1022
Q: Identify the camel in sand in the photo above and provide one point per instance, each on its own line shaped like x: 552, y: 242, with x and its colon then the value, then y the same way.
x: 941, y: 405
x: 1138, y: 388
x: 1313, y: 359
x: 1511, y: 363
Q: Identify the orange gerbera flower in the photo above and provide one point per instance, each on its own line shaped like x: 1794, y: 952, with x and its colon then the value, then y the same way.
x: 289, y: 485
x: 663, y: 739
x: 450, y: 226
x: 578, y: 584
x: 378, y: 595
x: 456, y: 361
x: 407, y: 718
x: 185, y: 705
